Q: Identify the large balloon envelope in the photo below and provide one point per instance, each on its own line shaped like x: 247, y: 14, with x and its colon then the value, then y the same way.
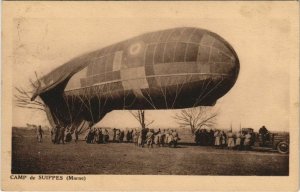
x: 169, y: 69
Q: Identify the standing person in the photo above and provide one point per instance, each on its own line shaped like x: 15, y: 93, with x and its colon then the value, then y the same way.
x: 170, y: 138
x: 223, y: 139
x: 54, y: 134
x: 100, y: 136
x: 128, y: 136
x: 135, y: 137
x: 149, y: 138
x: 166, y: 136
x: 122, y: 134
x: 39, y: 133
x: 76, y: 135
x: 175, y: 137
x: 217, y: 136
x: 96, y: 135
x: 144, y: 135
x: 238, y: 141
x: 118, y: 135
x: 247, y: 141
x: 90, y: 136
x: 131, y: 135
x: 242, y: 140
x: 156, y: 139
x: 140, y: 139
x: 105, y: 136
x: 114, y: 135
x: 264, y: 135
x: 230, y: 140
x: 61, y: 135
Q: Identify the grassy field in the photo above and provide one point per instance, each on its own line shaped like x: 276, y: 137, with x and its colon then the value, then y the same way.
x: 28, y: 156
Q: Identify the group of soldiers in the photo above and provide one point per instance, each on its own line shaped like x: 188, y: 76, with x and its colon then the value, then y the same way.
x: 101, y: 135
x: 62, y: 135
x: 140, y: 138
x: 150, y: 137
x: 119, y: 135
x: 58, y: 135
x: 97, y: 135
x: 231, y: 140
x: 222, y: 139
x: 159, y: 138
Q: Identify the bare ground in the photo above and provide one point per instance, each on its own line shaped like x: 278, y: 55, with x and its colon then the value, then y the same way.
x: 28, y: 156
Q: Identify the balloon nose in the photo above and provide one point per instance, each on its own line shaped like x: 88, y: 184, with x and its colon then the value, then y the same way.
x: 224, y: 58
x: 219, y: 55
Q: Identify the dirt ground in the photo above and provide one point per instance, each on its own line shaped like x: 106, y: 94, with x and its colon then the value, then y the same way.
x: 28, y: 156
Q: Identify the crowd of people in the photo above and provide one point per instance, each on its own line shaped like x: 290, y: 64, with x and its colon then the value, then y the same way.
x: 221, y: 139
x: 97, y: 135
x: 231, y: 140
x: 241, y: 140
x: 140, y: 138
x: 159, y: 138
x: 58, y: 135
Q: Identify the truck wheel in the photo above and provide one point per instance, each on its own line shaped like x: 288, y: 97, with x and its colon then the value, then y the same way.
x: 283, y: 147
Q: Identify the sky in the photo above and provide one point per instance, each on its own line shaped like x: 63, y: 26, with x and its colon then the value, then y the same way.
x: 262, y: 39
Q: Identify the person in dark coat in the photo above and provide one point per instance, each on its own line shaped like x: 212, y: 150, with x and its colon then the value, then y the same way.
x: 128, y: 136
x: 131, y: 135
x: 54, y: 134
x: 114, y: 135
x: 61, y: 135
x: 105, y: 136
x: 100, y: 136
x: 264, y: 135
x: 76, y: 135
x: 90, y: 136
x: 144, y: 133
x: 122, y: 134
